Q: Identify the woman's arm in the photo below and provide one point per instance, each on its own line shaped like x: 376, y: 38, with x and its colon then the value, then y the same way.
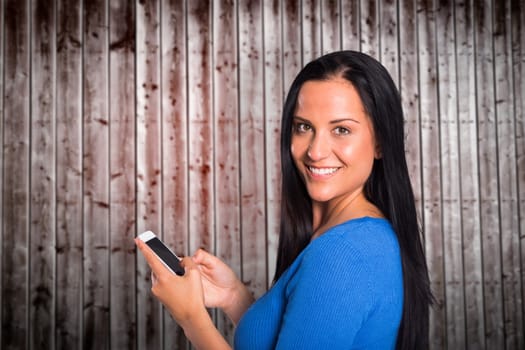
x: 204, y: 335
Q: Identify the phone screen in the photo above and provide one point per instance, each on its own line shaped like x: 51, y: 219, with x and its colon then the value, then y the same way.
x: 165, y: 255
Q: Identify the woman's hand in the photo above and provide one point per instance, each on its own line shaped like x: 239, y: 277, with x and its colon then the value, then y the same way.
x: 181, y: 295
x: 221, y: 286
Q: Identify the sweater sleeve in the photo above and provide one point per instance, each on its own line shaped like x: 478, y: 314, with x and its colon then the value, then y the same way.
x: 328, y: 298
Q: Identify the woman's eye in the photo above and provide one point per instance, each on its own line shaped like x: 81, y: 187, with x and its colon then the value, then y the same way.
x: 302, y: 127
x: 341, y: 131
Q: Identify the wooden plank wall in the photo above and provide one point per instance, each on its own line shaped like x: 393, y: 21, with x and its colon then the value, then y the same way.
x: 119, y: 116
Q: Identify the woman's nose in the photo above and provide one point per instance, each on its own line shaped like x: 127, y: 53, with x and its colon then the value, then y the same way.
x: 318, y: 148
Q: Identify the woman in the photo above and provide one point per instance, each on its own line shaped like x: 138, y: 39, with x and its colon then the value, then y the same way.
x: 351, y: 271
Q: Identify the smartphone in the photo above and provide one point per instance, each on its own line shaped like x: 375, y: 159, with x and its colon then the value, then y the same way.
x: 170, y: 260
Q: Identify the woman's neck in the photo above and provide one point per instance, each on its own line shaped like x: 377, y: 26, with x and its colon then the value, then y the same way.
x: 334, y: 212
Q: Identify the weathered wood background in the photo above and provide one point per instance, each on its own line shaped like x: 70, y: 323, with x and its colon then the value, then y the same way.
x: 119, y: 116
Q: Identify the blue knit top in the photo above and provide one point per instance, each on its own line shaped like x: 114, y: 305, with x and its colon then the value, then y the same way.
x: 344, y: 291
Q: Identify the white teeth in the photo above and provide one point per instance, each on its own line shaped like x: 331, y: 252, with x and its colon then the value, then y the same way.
x: 322, y: 171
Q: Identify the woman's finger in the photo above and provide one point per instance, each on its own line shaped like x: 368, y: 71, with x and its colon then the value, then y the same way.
x: 188, y: 263
x: 153, y: 261
x: 202, y: 257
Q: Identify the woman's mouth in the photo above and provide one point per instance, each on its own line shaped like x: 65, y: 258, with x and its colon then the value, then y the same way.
x: 322, y: 171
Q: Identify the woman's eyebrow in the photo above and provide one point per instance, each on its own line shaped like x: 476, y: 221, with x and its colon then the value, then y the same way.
x: 335, y: 121
x: 300, y: 118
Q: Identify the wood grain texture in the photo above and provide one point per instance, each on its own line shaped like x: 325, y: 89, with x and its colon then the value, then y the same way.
x: 369, y: 27
x: 273, y: 101
x: 507, y: 177
x: 150, y: 330
x: 330, y: 26
x: 409, y: 91
x: 69, y: 208
x: 227, y: 128
x: 200, y: 128
x: 96, y: 176
x: 450, y: 173
x: 518, y: 72
x: 350, y: 25
x: 118, y: 116
x: 488, y: 177
x: 312, y: 22
x: 252, y: 147
x: 291, y: 41
x: 389, y: 38
x: 16, y: 167
x: 43, y: 179
x: 174, y: 144
x: 469, y: 165
x: 122, y: 163
x: 431, y: 169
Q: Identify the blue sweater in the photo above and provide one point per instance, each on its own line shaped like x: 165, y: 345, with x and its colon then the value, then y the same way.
x: 344, y: 291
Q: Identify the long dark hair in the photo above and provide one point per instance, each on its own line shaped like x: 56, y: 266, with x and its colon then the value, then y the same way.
x: 388, y: 186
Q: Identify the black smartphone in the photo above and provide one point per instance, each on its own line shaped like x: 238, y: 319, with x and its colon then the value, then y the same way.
x: 170, y: 260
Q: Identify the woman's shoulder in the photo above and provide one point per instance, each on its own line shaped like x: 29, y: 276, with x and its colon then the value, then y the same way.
x: 357, y: 250
x: 363, y: 236
x: 360, y: 257
x: 357, y: 247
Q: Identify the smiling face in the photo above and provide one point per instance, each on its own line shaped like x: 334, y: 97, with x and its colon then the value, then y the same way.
x: 332, y: 143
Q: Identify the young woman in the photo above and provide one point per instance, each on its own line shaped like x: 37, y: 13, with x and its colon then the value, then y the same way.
x: 351, y: 272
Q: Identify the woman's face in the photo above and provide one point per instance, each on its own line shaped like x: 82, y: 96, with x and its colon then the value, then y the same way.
x: 333, y: 144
